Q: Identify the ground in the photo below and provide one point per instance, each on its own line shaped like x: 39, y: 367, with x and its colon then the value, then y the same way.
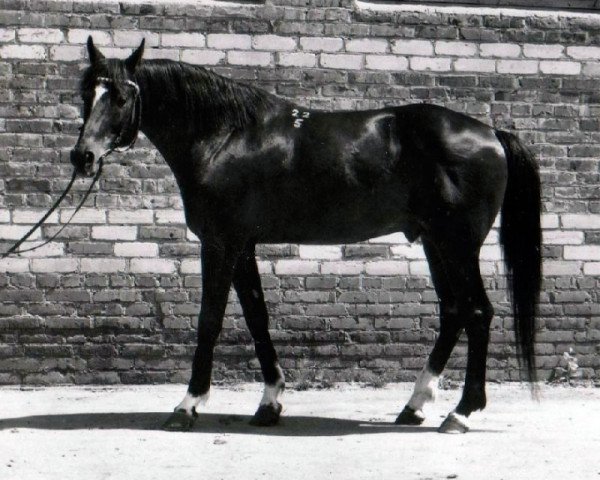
x: 346, y: 432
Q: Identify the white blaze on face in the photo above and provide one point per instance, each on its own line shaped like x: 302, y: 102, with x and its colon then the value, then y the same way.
x: 425, y: 389
x: 98, y: 92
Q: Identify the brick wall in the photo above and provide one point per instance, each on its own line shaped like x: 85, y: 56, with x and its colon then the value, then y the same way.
x: 115, y: 298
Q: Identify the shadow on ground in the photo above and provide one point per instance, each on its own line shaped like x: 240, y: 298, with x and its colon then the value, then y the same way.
x: 292, y: 426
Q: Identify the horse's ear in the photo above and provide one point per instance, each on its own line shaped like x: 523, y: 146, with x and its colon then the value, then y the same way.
x: 94, y: 54
x: 134, y: 59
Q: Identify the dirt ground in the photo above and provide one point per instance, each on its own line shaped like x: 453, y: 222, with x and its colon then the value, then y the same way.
x: 343, y: 433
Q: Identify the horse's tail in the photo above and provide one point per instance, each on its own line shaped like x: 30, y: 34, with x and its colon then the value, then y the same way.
x: 521, y: 238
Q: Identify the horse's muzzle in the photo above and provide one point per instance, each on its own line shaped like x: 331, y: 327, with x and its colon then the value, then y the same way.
x: 83, y: 162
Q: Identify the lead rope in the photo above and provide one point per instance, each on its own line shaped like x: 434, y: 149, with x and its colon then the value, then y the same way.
x: 115, y: 148
x: 13, y: 249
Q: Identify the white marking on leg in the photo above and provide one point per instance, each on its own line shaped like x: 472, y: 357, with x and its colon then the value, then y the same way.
x: 190, y: 402
x: 425, y: 389
x: 459, y: 422
x: 272, y: 392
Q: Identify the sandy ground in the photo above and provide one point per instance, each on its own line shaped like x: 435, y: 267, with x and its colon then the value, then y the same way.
x: 344, y: 433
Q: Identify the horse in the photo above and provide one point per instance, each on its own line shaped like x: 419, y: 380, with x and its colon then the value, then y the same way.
x: 253, y: 168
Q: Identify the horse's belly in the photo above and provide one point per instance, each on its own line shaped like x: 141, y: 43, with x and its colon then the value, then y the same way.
x: 335, y: 219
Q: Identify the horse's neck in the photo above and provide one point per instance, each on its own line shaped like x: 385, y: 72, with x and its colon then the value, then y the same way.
x: 176, y: 123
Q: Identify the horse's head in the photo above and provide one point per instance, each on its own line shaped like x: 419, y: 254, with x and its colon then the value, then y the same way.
x: 111, y: 108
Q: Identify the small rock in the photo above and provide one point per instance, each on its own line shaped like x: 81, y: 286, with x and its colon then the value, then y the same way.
x: 219, y: 441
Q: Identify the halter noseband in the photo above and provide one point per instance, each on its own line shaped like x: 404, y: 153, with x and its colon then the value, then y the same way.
x: 134, y: 122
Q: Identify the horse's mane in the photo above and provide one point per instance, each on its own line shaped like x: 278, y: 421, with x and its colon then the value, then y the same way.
x: 204, y: 97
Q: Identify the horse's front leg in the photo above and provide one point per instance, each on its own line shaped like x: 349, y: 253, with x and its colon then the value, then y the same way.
x: 217, y: 273
x: 246, y: 281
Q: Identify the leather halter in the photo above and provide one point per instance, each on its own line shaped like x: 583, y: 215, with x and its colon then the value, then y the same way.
x: 132, y: 129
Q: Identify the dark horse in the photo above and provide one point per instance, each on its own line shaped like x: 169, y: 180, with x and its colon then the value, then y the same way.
x: 253, y: 168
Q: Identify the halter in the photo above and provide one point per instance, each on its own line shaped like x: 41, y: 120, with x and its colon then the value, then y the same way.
x: 131, y: 130
x: 134, y: 122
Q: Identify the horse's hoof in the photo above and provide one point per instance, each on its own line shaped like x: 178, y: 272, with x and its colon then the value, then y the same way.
x: 266, y: 415
x: 454, y: 423
x: 408, y: 416
x: 180, y: 421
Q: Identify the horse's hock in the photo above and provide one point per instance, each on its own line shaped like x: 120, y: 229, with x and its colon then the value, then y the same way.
x: 115, y: 298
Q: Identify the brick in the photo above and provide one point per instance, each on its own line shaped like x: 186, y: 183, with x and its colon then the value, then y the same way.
x: 136, y: 249
x: 189, y: 266
x: 560, y: 68
x: 517, y: 66
x: 261, y: 59
x: 580, y: 221
x: 203, y: 57
x: 52, y: 249
x: 133, y: 38
x: 40, y: 35
x: 14, y: 265
x: 386, y: 62
x: 432, y: 64
x: 584, y: 252
x: 297, y: 59
x: 474, y: 65
x: 7, y: 35
x: 164, y: 53
x: 296, y: 267
x: 500, y: 50
x: 66, y: 53
x: 103, y: 265
x: 418, y: 267
x: 543, y: 51
x: 228, y: 41
x: 321, y: 44
x: 318, y: 252
x: 561, y: 268
x: 591, y: 268
x: 342, y: 268
x: 392, y: 238
x: 386, y: 267
x: 32, y: 216
x: 367, y: 45
x: 169, y: 216
x: 341, y: 61
x: 77, y: 35
x: 25, y: 52
x: 557, y: 237
x: 549, y: 221
x: 83, y: 216
x: 413, y: 47
x: 411, y: 251
x: 114, y: 233
x: 131, y: 216
x: 584, y: 53
x: 457, y: 49
x: 15, y: 232
x: 274, y: 43
x: 155, y: 265
x: 183, y: 39
x: 54, y: 265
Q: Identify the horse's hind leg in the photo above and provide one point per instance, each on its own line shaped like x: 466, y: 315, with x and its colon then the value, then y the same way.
x: 476, y: 312
x: 217, y: 273
x: 246, y: 281
x: 450, y: 329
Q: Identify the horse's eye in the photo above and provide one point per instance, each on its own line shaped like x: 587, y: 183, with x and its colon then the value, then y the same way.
x: 121, y: 100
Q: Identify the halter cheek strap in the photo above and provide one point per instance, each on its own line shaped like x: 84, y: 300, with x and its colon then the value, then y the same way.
x: 129, y: 133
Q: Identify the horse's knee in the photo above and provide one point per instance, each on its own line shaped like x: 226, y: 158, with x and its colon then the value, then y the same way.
x: 478, y: 319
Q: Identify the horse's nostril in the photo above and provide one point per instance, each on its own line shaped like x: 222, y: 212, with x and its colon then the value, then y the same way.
x: 89, y: 157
